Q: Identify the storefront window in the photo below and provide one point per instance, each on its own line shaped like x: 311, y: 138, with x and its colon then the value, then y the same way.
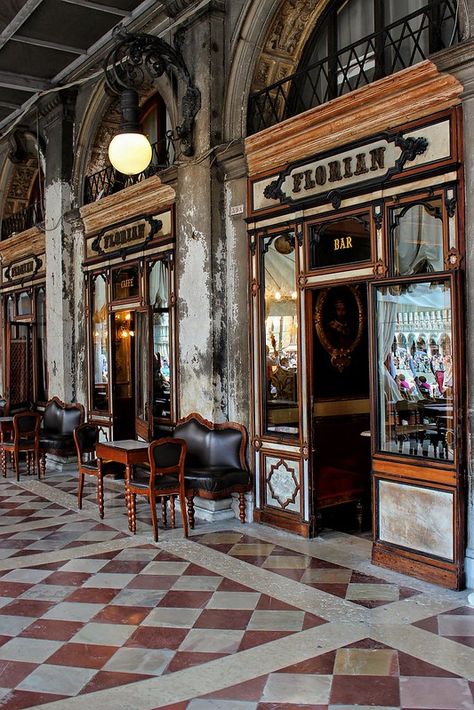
x: 100, y: 341
x: 417, y: 238
x: 415, y: 369
x: 125, y: 283
x: 42, y: 393
x: 24, y: 304
x: 281, y: 334
x: 159, y: 300
x: 339, y: 242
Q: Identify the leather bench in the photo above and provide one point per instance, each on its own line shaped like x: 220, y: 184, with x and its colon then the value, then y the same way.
x: 215, y: 463
x: 56, y: 436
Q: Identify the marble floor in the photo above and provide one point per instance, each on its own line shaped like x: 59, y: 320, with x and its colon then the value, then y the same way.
x: 234, y: 618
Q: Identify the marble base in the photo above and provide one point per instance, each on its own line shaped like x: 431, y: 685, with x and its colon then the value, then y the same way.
x: 213, y: 510
x: 469, y: 571
x: 60, y: 463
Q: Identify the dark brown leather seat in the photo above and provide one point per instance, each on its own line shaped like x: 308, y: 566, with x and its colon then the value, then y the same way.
x: 59, y: 422
x: 215, y: 462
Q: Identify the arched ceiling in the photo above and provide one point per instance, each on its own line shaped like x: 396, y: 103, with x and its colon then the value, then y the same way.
x: 285, y: 40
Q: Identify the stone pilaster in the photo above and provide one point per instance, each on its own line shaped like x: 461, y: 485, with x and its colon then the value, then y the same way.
x: 58, y: 126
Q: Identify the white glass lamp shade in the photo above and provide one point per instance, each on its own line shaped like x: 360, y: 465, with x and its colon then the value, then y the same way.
x: 130, y: 153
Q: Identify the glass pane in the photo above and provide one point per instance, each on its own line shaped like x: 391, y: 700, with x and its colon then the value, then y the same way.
x: 100, y: 345
x: 345, y: 241
x: 10, y: 309
x: 125, y: 283
x: 24, y: 304
x: 408, y: 42
x: 415, y: 370
x: 281, y: 334
x: 141, y: 359
x: 417, y: 234
x: 159, y: 285
x: 42, y: 392
x: 161, y: 365
x: 356, y: 65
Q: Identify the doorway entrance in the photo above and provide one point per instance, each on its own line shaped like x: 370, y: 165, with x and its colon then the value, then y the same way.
x: 123, y: 374
x: 340, y: 398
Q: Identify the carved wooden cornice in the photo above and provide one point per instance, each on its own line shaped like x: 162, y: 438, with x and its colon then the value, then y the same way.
x: 31, y: 241
x: 405, y: 96
x: 149, y: 196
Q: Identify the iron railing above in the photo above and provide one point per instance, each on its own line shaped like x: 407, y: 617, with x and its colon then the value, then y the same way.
x: 108, y: 180
x: 24, y: 219
x: 398, y: 46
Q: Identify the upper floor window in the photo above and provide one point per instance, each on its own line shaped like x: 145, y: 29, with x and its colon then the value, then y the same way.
x: 355, y: 43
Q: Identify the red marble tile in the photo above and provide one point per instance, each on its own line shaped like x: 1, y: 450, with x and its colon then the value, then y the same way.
x: 428, y: 624
x: 257, y: 638
x: 295, y: 574
x: 82, y: 655
x: 13, y: 672
x: 369, y: 644
x: 315, y: 563
x: 52, y: 630
x: 320, y: 665
x: 51, y: 566
x: 360, y: 578
x: 255, y: 560
x: 465, y: 640
x: 200, y: 571
x: 250, y: 690
x: 152, y: 581
x: 223, y: 619
x: 10, y: 544
x: 289, y: 706
x: 164, y: 556
x: 13, y: 589
x: 18, y: 699
x: 125, y: 566
x: 411, y: 666
x: 92, y: 595
x: 174, y: 706
x: 115, y: 614
x: 365, y: 690
x: 187, y: 659
x: 338, y: 590
x: 269, y: 603
x: 311, y: 620
x: 27, y: 607
x: 228, y: 585
x: 463, y: 610
x: 407, y: 593
x: 186, y: 600
x: 67, y: 579
x: 4, y: 639
x: 157, y: 637
x: 108, y: 679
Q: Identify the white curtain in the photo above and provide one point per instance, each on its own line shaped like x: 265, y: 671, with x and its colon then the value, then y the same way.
x: 419, y: 242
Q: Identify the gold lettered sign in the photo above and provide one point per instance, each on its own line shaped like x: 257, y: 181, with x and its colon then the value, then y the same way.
x: 23, y: 269
x: 126, y: 237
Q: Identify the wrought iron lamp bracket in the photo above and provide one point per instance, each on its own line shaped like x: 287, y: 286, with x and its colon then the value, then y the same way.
x: 137, y: 56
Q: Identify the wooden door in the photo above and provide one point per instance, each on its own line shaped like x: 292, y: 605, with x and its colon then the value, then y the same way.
x: 143, y: 374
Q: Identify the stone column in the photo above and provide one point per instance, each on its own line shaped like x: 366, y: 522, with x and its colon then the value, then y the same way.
x: 460, y: 62
x: 58, y: 126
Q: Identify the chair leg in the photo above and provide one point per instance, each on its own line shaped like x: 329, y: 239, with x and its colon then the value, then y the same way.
x: 28, y: 463
x: 129, y: 511
x: 182, y: 503
x: 132, y: 501
x: 16, y: 460
x: 164, y: 512
x: 154, y: 517
x: 173, y: 512
x: 242, y: 507
x: 37, y: 464
x: 4, y: 462
x: 43, y: 464
x: 191, y: 511
x: 80, y: 489
x: 100, y: 494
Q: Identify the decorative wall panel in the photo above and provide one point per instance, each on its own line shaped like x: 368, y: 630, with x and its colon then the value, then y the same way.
x: 417, y: 518
x: 282, y: 479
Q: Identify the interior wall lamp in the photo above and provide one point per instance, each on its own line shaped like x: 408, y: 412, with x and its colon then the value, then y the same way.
x: 134, y: 59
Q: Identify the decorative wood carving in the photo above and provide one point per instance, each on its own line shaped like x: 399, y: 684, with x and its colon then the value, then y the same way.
x: 254, y: 288
x: 453, y: 259
x: 412, y: 93
x: 380, y: 269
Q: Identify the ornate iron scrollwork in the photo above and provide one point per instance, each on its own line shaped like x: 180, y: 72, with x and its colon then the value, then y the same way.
x: 137, y: 56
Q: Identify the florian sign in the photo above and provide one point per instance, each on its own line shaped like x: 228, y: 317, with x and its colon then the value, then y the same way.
x: 23, y: 269
x: 126, y: 237
x: 332, y: 176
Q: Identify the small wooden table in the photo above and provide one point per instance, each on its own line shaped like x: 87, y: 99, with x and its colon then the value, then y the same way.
x: 126, y: 451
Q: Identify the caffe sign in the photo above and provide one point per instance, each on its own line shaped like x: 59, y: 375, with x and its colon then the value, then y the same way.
x: 125, y: 238
x: 334, y: 175
x: 23, y: 269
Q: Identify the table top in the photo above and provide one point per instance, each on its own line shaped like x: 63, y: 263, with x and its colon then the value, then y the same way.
x: 6, y: 419
x: 124, y: 445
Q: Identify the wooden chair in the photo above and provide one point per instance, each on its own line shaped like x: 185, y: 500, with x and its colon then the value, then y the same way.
x: 165, y: 478
x: 25, y: 439
x: 86, y: 437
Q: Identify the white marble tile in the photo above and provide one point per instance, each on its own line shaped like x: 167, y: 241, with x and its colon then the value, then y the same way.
x: 297, y: 688
x: 139, y: 597
x: 212, y: 641
x: 166, y: 568
x: 73, y: 611
x: 47, y: 592
x: 205, y: 583
x: 233, y: 600
x: 32, y: 576
x: 367, y: 592
x: 84, y: 565
x: 139, y: 660
x: 264, y: 620
x: 62, y: 680
x: 287, y: 562
x: 14, y: 625
x: 456, y: 625
x: 109, y: 580
x: 172, y: 617
x: 28, y: 650
x: 103, y: 634
x: 210, y: 704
